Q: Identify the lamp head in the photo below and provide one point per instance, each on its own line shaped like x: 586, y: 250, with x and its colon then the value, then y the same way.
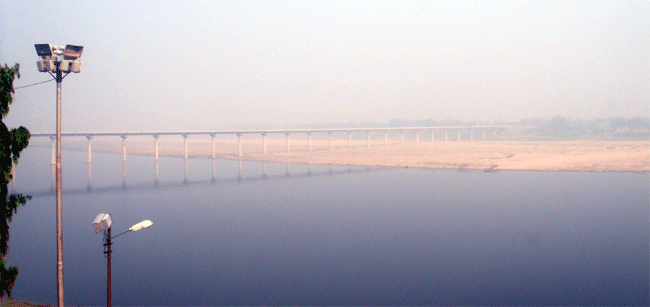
x: 72, y: 52
x: 102, y: 222
x: 141, y: 225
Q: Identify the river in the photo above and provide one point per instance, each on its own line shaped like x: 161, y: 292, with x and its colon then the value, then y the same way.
x: 275, y: 234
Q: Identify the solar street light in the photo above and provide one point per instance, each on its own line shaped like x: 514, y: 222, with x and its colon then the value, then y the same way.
x: 51, y: 63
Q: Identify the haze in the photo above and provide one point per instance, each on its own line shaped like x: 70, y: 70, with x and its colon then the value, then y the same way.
x: 205, y: 65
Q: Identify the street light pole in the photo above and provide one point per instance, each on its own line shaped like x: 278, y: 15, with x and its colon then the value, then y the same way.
x: 103, y: 223
x: 107, y: 251
x: 59, y: 191
x: 53, y: 63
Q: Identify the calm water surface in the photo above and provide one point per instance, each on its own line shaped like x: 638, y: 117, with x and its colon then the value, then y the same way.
x: 295, y: 235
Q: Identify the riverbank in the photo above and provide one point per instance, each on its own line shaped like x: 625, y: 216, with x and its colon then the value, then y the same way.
x: 583, y: 155
x: 6, y: 302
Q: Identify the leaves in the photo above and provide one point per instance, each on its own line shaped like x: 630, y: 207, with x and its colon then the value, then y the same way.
x: 7, y: 77
x: 19, y: 140
x: 12, y: 142
x: 7, y: 278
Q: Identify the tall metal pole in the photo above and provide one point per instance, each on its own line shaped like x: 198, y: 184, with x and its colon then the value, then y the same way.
x: 59, y: 227
x: 109, y: 298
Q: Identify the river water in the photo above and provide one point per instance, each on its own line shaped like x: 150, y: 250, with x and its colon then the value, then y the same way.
x: 275, y: 234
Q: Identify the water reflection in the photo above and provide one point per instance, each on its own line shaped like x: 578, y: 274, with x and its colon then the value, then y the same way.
x: 240, y: 178
x: 264, y: 170
x: 53, y: 187
x: 185, y: 180
x: 124, y: 174
x: 157, y: 175
x: 90, y: 181
x: 213, y: 167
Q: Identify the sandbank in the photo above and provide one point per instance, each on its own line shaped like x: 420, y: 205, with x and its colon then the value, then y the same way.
x: 491, y: 155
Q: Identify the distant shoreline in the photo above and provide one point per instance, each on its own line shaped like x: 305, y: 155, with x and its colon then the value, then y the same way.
x: 495, y: 155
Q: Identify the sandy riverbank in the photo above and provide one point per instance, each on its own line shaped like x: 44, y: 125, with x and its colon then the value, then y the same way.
x: 584, y: 155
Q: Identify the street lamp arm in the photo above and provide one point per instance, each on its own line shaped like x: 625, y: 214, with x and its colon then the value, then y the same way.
x: 142, y: 225
x: 119, y: 234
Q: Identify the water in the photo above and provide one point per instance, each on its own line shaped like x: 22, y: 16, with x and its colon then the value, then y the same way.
x: 332, y: 236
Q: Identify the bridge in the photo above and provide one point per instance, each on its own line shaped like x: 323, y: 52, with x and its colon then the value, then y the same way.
x: 494, y: 129
x: 468, y: 131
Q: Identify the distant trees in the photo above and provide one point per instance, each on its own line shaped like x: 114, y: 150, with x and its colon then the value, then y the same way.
x: 12, y: 142
x: 558, y: 126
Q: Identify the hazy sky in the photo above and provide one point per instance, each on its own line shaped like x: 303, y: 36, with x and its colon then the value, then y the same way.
x: 203, y: 65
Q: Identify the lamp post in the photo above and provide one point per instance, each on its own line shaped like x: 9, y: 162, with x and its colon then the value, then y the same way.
x: 53, y: 64
x: 103, y: 223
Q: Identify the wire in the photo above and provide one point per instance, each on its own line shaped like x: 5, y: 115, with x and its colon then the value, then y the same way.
x: 33, y: 84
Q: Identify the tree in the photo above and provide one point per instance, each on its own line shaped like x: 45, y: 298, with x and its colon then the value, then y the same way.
x: 12, y: 142
x: 560, y: 125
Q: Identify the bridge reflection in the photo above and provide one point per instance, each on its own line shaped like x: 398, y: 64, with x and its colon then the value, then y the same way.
x: 289, y: 173
x: 466, y: 131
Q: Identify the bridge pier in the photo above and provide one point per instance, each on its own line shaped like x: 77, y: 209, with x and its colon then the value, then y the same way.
x: 309, y: 141
x: 459, y: 135
x: 264, y: 143
x: 349, y: 139
x: 214, y: 149
x: 368, y: 141
x: 446, y: 139
x: 89, y: 137
x: 432, y: 139
x: 185, y: 136
x: 53, y: 138
x: 123, y: 148
x: 155, y: 146
x: 287, y: 134
x: 385, y: 138
x: 417, y: 137
x: 471, y: 134
x: 402, y: 136
x: 330, y: 139
x: 123, y: 160
x: 238, y: 144
x: 483, y: 134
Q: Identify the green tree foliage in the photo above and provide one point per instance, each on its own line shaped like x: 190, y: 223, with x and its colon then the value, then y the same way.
x: 12, y: 142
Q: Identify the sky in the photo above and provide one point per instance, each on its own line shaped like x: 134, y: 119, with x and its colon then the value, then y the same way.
x: 208, y: 65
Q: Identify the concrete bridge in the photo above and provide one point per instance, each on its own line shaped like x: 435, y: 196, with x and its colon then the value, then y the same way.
x: 459, y: 130
x: 494, y: 129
